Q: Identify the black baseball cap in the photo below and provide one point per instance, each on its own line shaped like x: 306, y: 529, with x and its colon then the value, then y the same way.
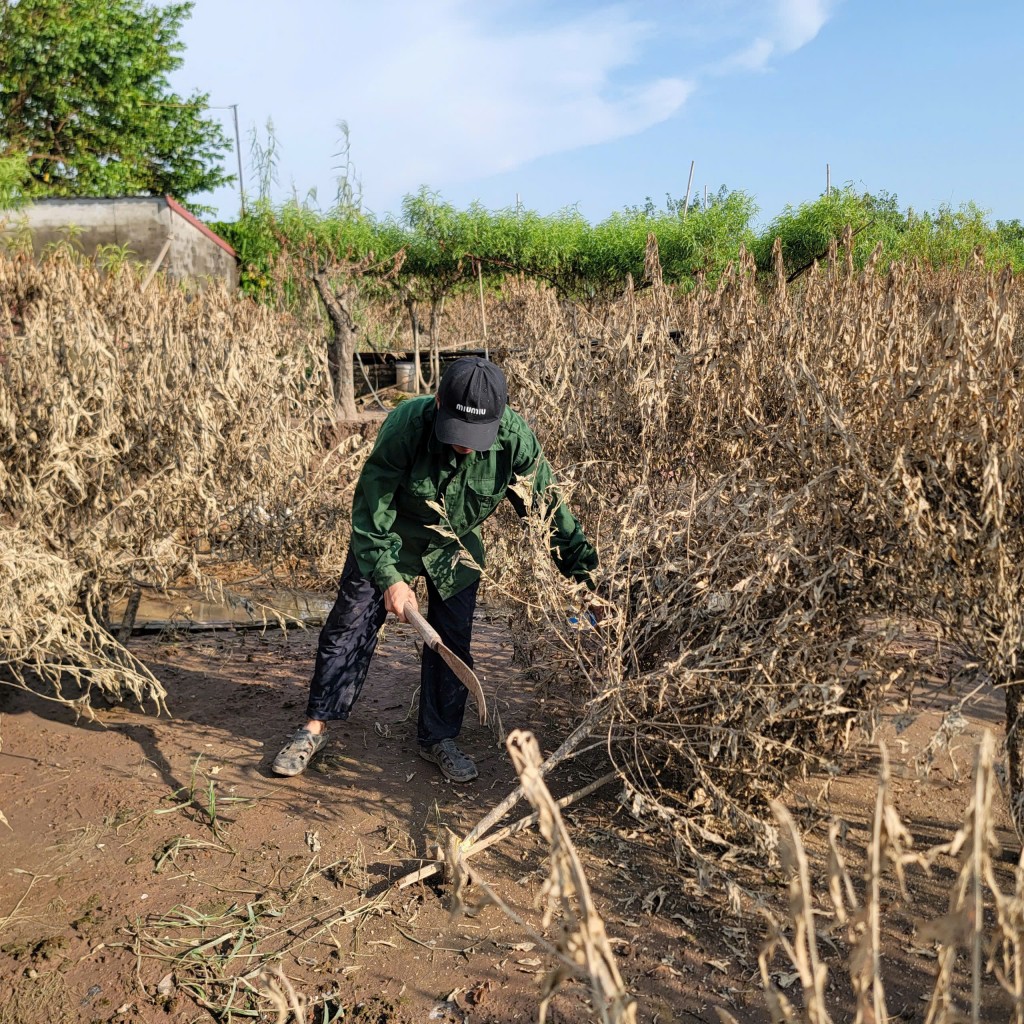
x: 471, y: 399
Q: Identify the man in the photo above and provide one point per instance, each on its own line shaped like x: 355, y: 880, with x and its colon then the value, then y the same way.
x: 462, y: 451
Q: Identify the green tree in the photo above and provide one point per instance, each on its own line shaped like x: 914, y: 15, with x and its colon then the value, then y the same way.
x: 13, y: 180
x: 807, y: 230
x: 1011, y: 234
x: 84, y: 95
x: 959, y: 238
x: 694, y: 242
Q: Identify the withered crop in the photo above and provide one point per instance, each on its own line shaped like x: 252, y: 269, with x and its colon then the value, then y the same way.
x: 138, y: 430
x: 782, y: 481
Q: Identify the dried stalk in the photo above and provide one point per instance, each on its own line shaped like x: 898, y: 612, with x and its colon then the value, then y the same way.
x: 994, y: 947
x: 581, y: 943
x: 137, y: 430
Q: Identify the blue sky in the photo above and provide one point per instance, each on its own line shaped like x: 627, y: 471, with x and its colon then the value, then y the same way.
x: 597, y: 106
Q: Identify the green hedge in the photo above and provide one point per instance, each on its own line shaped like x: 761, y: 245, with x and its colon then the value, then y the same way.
x: 442, y: 246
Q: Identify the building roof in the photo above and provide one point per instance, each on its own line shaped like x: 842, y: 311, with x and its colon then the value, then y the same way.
x: 199, y: 225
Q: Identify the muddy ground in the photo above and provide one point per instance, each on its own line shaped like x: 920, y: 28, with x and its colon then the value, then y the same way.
x: 154, y: 864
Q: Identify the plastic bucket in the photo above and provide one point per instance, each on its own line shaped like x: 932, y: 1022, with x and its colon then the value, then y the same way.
x: 405, y: 376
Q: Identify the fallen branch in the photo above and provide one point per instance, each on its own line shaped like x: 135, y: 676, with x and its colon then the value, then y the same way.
x: 509, y: 830
x: 571, y: 742
x: 580, y: 941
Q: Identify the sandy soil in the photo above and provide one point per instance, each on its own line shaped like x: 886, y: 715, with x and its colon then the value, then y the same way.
x: 151, y: 863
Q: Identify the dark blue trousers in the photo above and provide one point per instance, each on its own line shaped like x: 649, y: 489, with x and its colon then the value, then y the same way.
x: 349, y: 638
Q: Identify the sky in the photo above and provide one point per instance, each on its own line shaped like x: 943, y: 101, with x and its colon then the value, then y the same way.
x: 596, y: 106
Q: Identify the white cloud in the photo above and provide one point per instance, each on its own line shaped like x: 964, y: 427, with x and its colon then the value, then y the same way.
x: 787, y: 26
x: 445, y: 92
x: 752, y: 58
x: 450, y: 97
x: 799, y: 21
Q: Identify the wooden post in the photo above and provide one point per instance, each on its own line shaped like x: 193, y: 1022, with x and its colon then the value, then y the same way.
x: 483, y: 312
x: 238, y: 153
x: 689, y: 185
x: 156, y: 264
x: 828, y: 180
x: 128, y: 619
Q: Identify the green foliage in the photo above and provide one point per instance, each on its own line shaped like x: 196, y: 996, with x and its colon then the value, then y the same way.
x: 84, y: 94
x: 14, y: 178
x: 279, y: 247
x: 115, y: 258
x: 438, y: 240
x: 947, y: 238
x: 1010, y: 231
x: 694, y: 243
x: 443, y: 246
x: 1010, y: 234
x: 958, y: 238
x: 806, y: 231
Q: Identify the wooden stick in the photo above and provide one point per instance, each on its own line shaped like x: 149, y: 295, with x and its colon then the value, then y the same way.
x: 156, y: 263
x: 472, y: 843
x: 530, y: 819
x: 128, y: 619
x: 571, y: 742
x: 435, y: 866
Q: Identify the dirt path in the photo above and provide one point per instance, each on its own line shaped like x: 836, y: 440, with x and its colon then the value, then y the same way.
x: 151, y: 863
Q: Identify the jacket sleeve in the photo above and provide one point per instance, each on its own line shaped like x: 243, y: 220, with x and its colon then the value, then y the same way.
x: 375, y: 544
x: 573, y: 554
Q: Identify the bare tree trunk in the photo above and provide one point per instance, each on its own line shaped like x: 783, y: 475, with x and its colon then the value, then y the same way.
x: 410, y: 304
x: 436, y: 309
x: 342, y: 347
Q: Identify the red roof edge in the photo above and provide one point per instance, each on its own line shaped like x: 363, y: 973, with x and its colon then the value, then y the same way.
x: 199, y: 225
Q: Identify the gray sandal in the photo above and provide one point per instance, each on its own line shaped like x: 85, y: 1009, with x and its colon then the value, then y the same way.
x: 296, y: 754
x: 454, y: 764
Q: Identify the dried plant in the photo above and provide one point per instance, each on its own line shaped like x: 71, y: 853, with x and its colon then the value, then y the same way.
x: 148, y: 440
x: 580, y: 944
x: 994, y: 942
x: 288, y: 1004
x: 782, y: 482
x: 780, y: 479
x: 49, y: 639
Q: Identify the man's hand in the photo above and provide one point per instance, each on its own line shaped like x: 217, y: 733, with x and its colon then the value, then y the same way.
x: 397, y: 596
x: 600, y: 608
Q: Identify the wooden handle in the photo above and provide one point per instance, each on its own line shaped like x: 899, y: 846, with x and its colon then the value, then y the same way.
x: 430, y: 635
